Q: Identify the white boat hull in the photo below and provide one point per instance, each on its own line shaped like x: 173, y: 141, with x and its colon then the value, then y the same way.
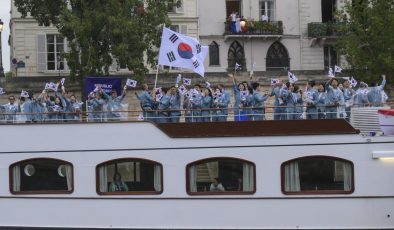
x: 386, y: 124
x: 370, y: 206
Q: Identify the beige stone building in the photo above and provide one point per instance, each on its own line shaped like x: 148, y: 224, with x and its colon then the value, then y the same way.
x: 276, y: 35
x: 38, y: 47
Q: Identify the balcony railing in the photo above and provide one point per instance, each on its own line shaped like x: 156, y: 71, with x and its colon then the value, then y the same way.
x: 321, y: 30
x: 255, y: 28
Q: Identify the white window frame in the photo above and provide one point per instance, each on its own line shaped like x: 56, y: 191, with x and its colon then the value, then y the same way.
x: 55, y: 52
x: 273, y: 17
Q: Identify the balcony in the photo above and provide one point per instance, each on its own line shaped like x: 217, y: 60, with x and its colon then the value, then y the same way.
x: 323, y: 30
x: 255, y: 29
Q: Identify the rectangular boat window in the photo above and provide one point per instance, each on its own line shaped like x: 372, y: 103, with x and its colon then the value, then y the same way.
x: 41, y: 176
x: 221, y: 176
x: 317, y: 175
x: 129, y: 176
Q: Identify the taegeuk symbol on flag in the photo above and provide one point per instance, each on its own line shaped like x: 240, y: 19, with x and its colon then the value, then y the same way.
x: 178, y: 50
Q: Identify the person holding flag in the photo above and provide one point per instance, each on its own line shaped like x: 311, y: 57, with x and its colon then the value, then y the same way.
x: 258, y: 102
x: 375, y: 92
x: 348, y: 96
x: 114, y: 103
x: 163, y: 107
x: 96, y: 102
x: 334, y: 98
x: 11, y: 108
x: 310, y: 98
x: 175, y: 105
x: 206, y: 104
x: 147, y: 103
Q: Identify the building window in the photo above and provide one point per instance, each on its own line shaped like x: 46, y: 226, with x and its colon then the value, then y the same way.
x: 42, y: 176
x: 330, y: 57
x: 221, y: 176
x: 267, y: 8
x: 233, y: 6
x: 277, y: 58
x: 317, y: 175
x: 214, y: 54
x: 328, y: 8
x: 236, y: 55
x: 175, y: 6
x: 129, y: 176
x: 55, y: 51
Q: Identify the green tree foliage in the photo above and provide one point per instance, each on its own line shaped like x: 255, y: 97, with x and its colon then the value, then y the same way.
x: 99, y: 31
x: 367, y: 27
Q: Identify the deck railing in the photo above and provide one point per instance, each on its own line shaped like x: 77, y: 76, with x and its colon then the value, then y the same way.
x: 190, y: 115
x: 320, y: 30
x: 255, y: 28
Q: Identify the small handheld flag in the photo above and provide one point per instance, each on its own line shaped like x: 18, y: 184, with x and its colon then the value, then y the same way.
x: 187, y: 81
x: 131, y: 83
x: 140, y: 117
x: 338, y: 69
x: 207, y: 85
x: 182, y: 89
x: 331, y: 73
x: 52, y: 86
x: 274, y: 81
x: 353, y: 82
x: 62, y: 81
x: 178, y: 78
x: 237, y: 67
x: 292, y: 77
x: 24, y: 94
x: 252, y: 70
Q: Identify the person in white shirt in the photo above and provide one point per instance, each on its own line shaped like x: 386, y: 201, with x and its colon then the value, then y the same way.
x: 216, y: 186
x: 264, y: 18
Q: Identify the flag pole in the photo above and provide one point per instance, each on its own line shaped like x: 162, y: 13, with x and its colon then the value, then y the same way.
x: 157, y: 70
x: 157, y: 73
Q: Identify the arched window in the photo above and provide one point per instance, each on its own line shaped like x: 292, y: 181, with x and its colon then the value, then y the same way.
x: 41, y: 176
x: 236, y: 55
x: 277, y: 58
x: 129, y: 176
x: 214, y: 54
x: 317, y: 175
x: 220, y: 176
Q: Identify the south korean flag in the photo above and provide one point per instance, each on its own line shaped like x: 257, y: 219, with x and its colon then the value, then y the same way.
x: 178, y: 50
x: 131, y: 83
x: 292, y: 77
x: 274, y: 82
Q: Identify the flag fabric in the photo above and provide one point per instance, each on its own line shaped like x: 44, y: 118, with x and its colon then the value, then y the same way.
x: 207, y: 85
x: 24, y: 94
x: 252, y: 70
x: 140, y: 117
x: 338, y: 69
x: 178, y: 78
x: 274, y: 81
x: 353, y: 82
x: 182, y: 89
x: 178, y: 50
x: 2, y: 91
x: 131, y: 83
x: 187, y: 81
x: 62, y: 81
x: 51, y: 86
x: 292, y: 77
x: 237, y: 67
x: 244, y: 93
x: 158, y: 97
x: 188, y: 94
x: 331, y: 73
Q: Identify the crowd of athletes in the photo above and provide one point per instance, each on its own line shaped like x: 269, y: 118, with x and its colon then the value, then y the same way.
x: 326, y: 100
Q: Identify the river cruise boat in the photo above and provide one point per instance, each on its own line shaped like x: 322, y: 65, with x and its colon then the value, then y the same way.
x: 304, y: 174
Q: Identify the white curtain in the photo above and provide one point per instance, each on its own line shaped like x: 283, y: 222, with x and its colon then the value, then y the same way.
x: 157, y: 178
x: 193, y: 178
x: 213, y: 169
x: 69, y: 177
x: 103, y: 179
x: 292, y: 177
x: 347, y: 176
x: 16, y: 175
x: 248, y: 180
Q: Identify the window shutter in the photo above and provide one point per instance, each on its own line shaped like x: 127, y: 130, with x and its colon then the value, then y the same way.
x: 180, y: 9
x: 66, y: 50
x: 41, y: 53
x: 183, y: 29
